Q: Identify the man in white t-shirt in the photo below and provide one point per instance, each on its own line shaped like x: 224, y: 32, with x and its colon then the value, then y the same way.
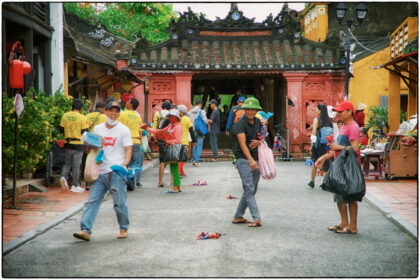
x: 117, y: 146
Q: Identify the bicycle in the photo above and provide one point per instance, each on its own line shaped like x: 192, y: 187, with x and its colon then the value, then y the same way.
x: 378, y: 137
x: 280, y: 143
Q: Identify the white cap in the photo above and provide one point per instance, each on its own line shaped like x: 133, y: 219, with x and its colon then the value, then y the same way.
x: 175, y: 113
x: 182, y: 108
x: 331, y: 113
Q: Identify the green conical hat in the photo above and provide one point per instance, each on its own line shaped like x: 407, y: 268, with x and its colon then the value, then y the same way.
x: 252, y: 103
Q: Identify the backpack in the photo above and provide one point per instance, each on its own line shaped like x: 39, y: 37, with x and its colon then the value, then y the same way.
x: 200, y: 126
x: 238, y: 111
x: 325, y: 132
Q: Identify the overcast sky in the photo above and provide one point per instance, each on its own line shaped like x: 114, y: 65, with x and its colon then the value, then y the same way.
x: 258, y: 10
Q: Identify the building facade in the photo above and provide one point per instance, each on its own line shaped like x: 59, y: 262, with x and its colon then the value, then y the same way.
x: 289, y: 74
x: 37, y: 26
x: 371, y: 83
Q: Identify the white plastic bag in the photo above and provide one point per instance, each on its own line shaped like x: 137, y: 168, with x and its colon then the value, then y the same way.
x: 91, y: 168
x: 266, y: 162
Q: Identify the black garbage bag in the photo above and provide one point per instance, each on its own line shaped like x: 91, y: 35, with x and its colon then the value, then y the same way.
x: 345, y: 177
x: 356, y: 187
x: 175, y: 153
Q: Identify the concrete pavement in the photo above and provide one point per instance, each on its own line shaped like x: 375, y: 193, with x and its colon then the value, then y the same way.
x: 293, y: 242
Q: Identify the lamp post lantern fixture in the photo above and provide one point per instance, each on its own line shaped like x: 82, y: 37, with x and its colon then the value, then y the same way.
x: 341, y: 11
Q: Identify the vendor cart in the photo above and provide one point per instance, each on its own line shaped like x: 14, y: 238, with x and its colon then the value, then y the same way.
x: 401, y: 157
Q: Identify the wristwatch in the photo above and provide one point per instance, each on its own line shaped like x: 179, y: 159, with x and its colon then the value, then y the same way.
x: 125, y: 164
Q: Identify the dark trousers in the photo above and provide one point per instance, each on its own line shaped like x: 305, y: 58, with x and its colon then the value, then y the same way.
x: 213, y: 143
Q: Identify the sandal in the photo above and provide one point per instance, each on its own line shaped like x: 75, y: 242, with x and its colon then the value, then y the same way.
x: 170, y: 191
x: 335, y: 228
x: 122, y: 235
x: 82, y: 235
x: 241, y: 221
x: 345, y: 231
x: 256, y: 223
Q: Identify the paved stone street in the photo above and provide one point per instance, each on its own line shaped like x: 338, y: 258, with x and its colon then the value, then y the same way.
x: 293, y: 242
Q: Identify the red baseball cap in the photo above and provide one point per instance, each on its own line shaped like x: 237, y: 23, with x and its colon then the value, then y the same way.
x: 345, y: 105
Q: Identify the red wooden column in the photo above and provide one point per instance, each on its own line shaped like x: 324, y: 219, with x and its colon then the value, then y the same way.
x: 183, y: 89
x: 138, y: 93
x: 295, y: 113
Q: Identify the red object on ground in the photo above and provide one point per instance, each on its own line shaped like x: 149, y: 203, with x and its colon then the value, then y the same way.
x: 203, y: 236
x: 231, y: 197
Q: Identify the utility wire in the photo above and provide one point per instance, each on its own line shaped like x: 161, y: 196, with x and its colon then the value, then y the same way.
x: 360, y: 43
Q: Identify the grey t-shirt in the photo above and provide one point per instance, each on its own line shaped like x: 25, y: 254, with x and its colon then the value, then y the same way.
x: 215, y: 125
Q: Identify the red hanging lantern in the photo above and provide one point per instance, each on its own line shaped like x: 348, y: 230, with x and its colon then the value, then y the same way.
x: 126, y: 97
x: 18, y: 67
x: 16, y: 74
x: 26, y: 68
x: 117, y: 85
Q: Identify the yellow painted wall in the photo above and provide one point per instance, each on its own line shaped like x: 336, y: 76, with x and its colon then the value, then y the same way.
x: 369, y: 84
x: 315, y: 21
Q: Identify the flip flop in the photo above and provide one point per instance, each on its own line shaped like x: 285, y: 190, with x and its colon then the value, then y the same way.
x: 82, y: 236
x: 345, y: 231
x: 334, y: 228
x: 171, y: 191
x: 122, y: 235
x: 255, y: 224
x: 241, y: 221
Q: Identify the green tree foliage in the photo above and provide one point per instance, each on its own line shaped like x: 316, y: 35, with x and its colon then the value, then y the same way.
x: 128, y: 19
x: 37, y: 129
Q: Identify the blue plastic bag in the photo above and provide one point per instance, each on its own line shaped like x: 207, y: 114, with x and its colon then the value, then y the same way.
x: 120, y: 170
x: 92, y: 139
x: 100, y: 157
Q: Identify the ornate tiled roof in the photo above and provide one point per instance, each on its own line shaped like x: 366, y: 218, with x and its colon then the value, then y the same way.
x: 235, y: 43
x: 93, y: 42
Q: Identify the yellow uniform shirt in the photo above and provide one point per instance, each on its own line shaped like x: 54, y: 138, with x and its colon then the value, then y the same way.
x: 185, y: 124
x: 133, y: 121
x: 94, y: 119
x: 155, y: 120
x: 73, y: 124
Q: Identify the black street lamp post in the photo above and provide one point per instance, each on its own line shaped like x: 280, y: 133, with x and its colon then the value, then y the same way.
x: 361, y: 12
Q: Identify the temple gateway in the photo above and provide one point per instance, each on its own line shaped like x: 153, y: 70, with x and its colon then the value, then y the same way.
x: 289, y: 74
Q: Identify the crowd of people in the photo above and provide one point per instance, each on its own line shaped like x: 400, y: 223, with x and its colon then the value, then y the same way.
x: 123, y: 133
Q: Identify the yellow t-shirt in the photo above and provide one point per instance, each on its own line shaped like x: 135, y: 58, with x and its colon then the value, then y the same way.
x: 185, y: 124
x: 73, y: 124
x: 133, y: 121
x: 93, y: 119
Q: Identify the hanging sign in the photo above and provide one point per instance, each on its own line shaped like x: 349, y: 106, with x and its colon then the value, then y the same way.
x: 19, y: 104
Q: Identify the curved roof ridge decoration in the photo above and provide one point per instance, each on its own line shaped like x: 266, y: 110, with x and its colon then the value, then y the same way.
x: 94, y: 40
x: 236, y: 43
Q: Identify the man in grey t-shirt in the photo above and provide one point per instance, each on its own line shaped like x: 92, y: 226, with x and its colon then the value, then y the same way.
x: 214, y: 128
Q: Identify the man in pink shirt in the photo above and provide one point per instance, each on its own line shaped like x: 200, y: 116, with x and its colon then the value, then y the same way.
x: 349, y: 135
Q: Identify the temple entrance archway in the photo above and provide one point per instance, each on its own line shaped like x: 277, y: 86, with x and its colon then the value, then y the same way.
x: 269, y: 89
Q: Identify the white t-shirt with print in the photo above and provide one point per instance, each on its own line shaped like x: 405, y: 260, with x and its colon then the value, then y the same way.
x: 115, y: 139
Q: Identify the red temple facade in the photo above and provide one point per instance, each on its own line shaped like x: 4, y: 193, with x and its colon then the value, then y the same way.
x: 289, y: 74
